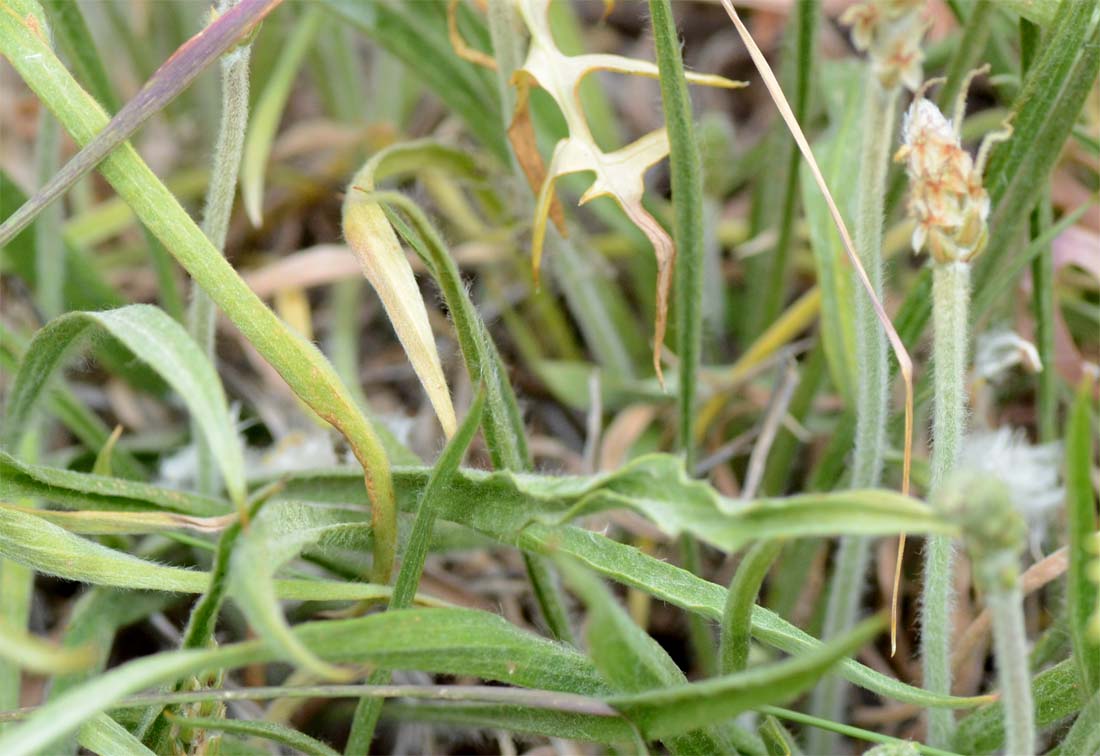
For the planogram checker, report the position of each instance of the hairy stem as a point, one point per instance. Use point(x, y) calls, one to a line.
point(951, 313)
point(850, 570)
point(215, 222)
point(1005, 603)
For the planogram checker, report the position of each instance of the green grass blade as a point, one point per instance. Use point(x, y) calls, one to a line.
point(591, 728)
point(673, 710)
point(737, 614)
point(39, 656)
point(44, 547)
point(63, 404)
point(72, 34)
point(631, 660)
point(276, 536)
point(276, 733)
point(687, 197)
point(1042, 118)
point(269, 111)
point(104, 735)
point(852, 732)
point(1082, 593)
point(159, 341)
point(77, 490)
point(412, 564)
point(418, 40)
point(504, 431)
point(303, 367)
point(1084, 736)
point(1057, 694)
point(629, 566)
point(448, 641)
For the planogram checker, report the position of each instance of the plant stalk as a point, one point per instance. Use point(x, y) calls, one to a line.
point(1004, 600)
point(951, 314)
point(216, 213)
point(853, 554)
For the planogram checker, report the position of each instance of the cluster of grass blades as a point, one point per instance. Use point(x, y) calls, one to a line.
point(249, 504)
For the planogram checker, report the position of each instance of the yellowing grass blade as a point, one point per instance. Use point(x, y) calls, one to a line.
point(374, 242)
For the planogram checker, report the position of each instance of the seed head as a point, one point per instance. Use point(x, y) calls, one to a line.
point(946, 199)
point(890, 31)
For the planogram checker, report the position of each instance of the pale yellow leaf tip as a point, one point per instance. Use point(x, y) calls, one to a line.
point(372, 239)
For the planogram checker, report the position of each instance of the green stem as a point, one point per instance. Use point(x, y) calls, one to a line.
point(216, 213)
point(951, 327)
point(687, 196)
point(737, 615)
point(873, 389)
point(1004, 600)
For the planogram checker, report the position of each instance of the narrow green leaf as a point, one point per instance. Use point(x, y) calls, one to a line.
point(32, 541)
point(687, 197)
point(412, 565)
point(737, 615)
point(63, 404)
point(504, 431)
point(777, 740)
point(159, 341)
point(1057, 693)
point(102, 465)
point(276, 733)
point(104, 735)
point(303, 367)
point(629, 566)
point(447, 641)
point(630, 659)
point(672, 710)
point(1084, 736)
point(276, 536)
point(544, 722)
point(1082, 593)
point(1042, 118)
point(75, 39)
point(418, 40)
point(81, 490)
point(40, 656)
point(269, 111)
point(852, 732)
point(837, 151)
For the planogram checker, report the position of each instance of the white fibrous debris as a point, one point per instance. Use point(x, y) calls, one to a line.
point(999, 351)
point(1030, 471)
point(946, 198)
point(294, 452)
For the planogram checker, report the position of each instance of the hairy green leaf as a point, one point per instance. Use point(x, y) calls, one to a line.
point(157, 340)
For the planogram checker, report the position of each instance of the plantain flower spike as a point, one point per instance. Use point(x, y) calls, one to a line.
point(946, 200)
point(890, 32)
point(619, 174)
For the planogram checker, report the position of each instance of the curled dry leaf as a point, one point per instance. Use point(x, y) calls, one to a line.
point(374, 242)
point(619, 174)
